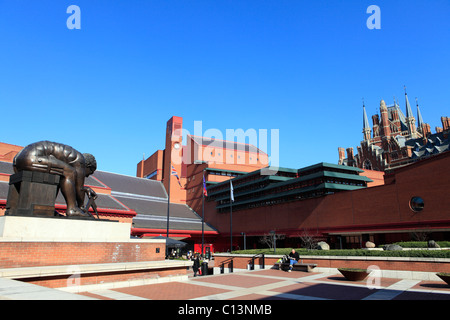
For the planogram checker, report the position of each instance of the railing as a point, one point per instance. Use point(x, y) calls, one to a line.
point(230, 265)
point(252, 264)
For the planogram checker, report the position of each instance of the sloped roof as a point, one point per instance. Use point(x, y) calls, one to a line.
point(131, 185)
point(436, 143)
point(401, 116)
point(6, 167)
point(224, 144)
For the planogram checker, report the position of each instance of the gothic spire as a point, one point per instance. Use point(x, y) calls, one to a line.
point(365, 119)
point(419, 116)
point(366, 127)
point(409, 113)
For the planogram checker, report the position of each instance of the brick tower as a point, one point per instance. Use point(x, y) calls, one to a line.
point(173, 160)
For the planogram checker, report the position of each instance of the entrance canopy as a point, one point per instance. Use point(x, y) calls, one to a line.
point(172, 243)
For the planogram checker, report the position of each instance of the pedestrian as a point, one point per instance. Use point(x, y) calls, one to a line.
point(196, 265)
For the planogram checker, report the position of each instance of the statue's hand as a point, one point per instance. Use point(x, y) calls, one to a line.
point(90, 193)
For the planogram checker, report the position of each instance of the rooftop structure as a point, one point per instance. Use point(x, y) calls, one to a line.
point(265, 188)
point(396, 139)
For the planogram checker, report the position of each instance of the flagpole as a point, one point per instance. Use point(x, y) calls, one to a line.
point(203, 213)
point(231, 226)
point(231, 217)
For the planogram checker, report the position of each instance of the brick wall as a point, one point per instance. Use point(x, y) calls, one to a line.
point(30, 254)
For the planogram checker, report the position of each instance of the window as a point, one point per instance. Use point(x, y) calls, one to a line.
point(367, 165)
point(416, 204)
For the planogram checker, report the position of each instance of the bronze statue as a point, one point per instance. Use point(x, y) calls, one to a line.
point(72, 167)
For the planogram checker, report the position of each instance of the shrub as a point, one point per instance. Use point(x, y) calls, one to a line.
point(420, 244)
point(354, 252)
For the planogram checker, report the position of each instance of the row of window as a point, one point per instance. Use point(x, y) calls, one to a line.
point(275, 201)
point(287, 187)
point(231, 156)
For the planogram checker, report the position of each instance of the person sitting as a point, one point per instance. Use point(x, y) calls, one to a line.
point(293, 258)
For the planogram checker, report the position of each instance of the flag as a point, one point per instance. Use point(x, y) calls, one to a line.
point(174, 173)
point(205, 193)
point(231, 192)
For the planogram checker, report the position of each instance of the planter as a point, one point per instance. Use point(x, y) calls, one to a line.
point(444, 276)
point(354, 274)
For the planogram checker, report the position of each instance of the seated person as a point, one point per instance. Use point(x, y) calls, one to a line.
point(293, 258)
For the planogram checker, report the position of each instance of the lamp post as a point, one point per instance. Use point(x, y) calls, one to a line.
point(245, 244)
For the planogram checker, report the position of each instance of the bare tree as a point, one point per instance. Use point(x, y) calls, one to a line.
point(307, 240)
point(419, 235)
point(270, 239)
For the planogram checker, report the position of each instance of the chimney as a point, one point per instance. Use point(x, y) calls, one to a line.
point(341, 155)
point(350, 154)
point(376, 123)
point(426, 131)
point(385, 119)
point(445, 123)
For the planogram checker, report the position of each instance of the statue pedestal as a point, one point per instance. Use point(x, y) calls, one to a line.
point(81, 255)
point(32, 194)
point(62, 229)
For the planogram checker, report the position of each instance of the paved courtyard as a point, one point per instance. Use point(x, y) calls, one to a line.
point(279, 285)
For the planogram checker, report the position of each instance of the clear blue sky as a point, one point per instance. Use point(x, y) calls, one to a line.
point(302, 67)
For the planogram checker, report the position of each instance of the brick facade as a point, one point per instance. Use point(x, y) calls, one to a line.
point(34, 254)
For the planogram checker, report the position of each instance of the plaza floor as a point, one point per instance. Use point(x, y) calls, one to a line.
point(279, 285)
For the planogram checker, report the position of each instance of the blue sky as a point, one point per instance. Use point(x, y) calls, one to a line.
point(302, 67)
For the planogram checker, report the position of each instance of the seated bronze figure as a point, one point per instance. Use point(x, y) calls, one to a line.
point(59, 159)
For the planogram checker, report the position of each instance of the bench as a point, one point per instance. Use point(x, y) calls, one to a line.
point(306, 267)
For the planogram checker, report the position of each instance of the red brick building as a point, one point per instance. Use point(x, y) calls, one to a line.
point(216, 160)
point(331, 203)
point(396, 139)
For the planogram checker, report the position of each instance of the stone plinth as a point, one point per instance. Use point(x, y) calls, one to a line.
point(32, 194)
point(56, 252)
point(62, 229)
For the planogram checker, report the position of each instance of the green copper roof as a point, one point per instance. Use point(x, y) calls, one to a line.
point(226, 170)
point(323, 186)
point(331, 166)
point(280, 181)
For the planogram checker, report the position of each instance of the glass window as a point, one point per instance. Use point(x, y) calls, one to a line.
point(416, 204)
